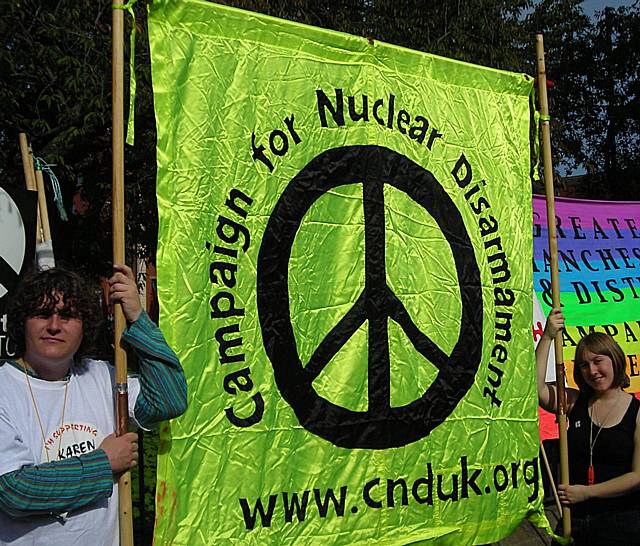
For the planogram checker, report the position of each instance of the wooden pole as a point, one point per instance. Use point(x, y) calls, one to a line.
point(555, 279)
point(122, 409)
point(552, 481)
point(42, 206)
point(30, 178)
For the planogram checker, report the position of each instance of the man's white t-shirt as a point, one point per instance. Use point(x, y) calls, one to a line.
point(88, 419)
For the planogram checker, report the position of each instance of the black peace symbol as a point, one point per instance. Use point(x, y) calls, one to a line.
point(380, 426)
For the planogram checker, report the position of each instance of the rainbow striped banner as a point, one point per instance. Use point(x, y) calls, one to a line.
point(599, 265)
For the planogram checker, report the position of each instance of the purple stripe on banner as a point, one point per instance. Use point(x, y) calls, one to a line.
point(607, 214)
point(602, 227)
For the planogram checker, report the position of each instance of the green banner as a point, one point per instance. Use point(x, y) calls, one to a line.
point(344, 269)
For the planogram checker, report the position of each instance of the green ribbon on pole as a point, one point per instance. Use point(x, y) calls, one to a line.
point(42, 165)
point(132, 69)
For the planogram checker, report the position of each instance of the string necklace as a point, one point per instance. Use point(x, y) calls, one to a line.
point(592, 441)
point(35, 406)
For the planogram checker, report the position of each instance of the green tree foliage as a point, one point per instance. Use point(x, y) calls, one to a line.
point(55, 62)
point(460, 30)
point(612, 136)
point(595, 101)
point(342, 15)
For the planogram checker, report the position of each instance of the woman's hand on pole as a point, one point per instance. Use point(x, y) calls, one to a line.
point(547, 397)
point(572, 494)
point(555, 323)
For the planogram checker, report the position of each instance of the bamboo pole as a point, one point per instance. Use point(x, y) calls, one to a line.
point(30, 179)
point(42, 206)
point(552, 481)
point(555, 279)
point(122, 410)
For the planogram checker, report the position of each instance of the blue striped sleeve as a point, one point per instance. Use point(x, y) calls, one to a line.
point(163, 388)
point(56, 487)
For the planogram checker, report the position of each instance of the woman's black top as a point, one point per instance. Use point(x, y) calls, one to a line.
point(612, 456)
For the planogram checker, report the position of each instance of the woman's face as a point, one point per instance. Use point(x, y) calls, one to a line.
point(597, 371)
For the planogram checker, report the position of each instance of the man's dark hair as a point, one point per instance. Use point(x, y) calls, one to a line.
point(39, 292)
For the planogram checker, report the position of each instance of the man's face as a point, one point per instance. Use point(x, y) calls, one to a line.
point(52, 337)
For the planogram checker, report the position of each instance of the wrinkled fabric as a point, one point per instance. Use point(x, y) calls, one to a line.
point(344, 268)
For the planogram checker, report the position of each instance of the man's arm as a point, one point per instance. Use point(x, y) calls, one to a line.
point(56, 487)
point(60, 486)
point(163, 388)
